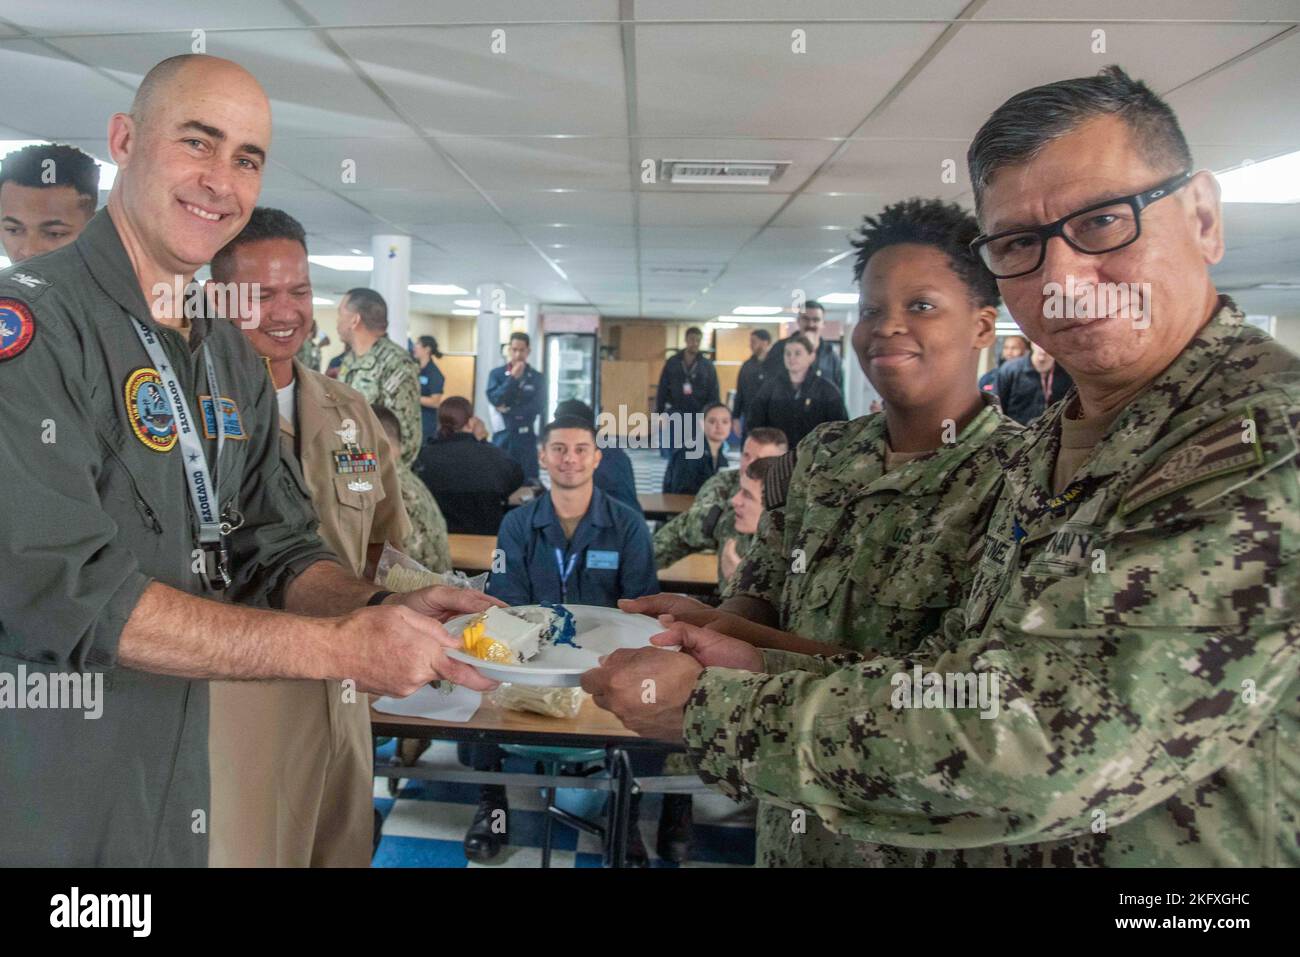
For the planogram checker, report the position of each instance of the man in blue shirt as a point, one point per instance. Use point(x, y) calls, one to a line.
point(575, 545)
point(614, 475)
point(518, 391)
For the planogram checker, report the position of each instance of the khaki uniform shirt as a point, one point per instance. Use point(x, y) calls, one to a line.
point(291, 760)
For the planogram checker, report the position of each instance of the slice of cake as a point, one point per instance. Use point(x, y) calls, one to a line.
point(504, 637)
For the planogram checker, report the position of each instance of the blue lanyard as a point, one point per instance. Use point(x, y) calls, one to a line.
point(564, 572)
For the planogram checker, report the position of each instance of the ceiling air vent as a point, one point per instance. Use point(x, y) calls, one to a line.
point(721, 172)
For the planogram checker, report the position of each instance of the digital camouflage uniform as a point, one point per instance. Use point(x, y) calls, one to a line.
point(388, 376)
point(427, 543)
point(884, 554)
point(706, 526)
point(309, 353)
point(1144, 628)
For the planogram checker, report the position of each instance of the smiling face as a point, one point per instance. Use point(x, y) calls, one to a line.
point(919, 336)
point(279, 267)
point(190, 167)
point(38, 219)
point(570, 457)
point(748, 504)
point(1181, 236)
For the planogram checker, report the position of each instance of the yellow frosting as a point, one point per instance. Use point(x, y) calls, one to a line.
point(478, 644)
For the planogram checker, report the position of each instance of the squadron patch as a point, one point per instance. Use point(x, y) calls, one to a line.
point(230, 418)
point(16, 327)
point(148, 410)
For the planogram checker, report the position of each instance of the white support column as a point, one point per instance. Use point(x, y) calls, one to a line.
point(391, 277)
point(533, 326)
point(487, 349)
point(858, 390)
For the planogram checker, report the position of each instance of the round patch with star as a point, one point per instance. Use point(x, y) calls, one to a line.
point(148, 410)
point(16, 327)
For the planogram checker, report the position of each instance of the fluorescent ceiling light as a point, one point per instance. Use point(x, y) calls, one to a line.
point(344, 263)
point(436, 289)
point(107, 171)
point(839, 299)
point(723, 325)
point(357, 252)
point(469, 303)
point(321, 301)
point(1275, 180)
point(464, 312)
point(757, 310)
point(511, 313)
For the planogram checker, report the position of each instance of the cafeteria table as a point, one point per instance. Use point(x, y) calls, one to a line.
point(695, 574)
point(592, 728)
point(659, 507)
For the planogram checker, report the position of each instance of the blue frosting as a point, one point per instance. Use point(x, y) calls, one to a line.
point(563, 631)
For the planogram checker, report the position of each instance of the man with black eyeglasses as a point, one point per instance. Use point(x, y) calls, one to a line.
point(1122, 685)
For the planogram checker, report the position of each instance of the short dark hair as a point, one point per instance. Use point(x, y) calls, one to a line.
point(575, 408)
point(802, 340)
point(768, 435)
point(453, 412)
point(695, 331)
point(265, 223)
point(522, 337)
point(716, 405)
point(812, 304)
point(430, 343)
point(70, 166)
point(389, 420)
point(758, 469)
point(762, 334)
point(568, 422)
point(370, 306)
point(929, 222)
point(1019, 128)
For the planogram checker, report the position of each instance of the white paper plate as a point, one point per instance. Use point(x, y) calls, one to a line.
point(599, 631)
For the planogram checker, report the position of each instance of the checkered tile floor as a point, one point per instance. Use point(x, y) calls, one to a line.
point(425, 824)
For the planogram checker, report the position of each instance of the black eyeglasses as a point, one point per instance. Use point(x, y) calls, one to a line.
point(1100, 228)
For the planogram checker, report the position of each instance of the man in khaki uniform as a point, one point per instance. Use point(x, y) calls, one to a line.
point(291, 760)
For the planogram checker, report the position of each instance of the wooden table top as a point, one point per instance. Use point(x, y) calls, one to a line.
point(693, 573)
point(592, 722)
point(657, 503)
point(473, 553)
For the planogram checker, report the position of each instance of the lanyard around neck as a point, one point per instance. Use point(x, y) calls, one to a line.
point(201, 480)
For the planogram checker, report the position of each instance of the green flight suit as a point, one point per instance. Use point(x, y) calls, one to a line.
point(98, 508)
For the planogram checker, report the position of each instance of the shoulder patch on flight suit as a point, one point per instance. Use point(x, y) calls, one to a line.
point(233, 425)
point(149, 411)
point(17, 327)
point(777, 483)
point(1230, 444)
